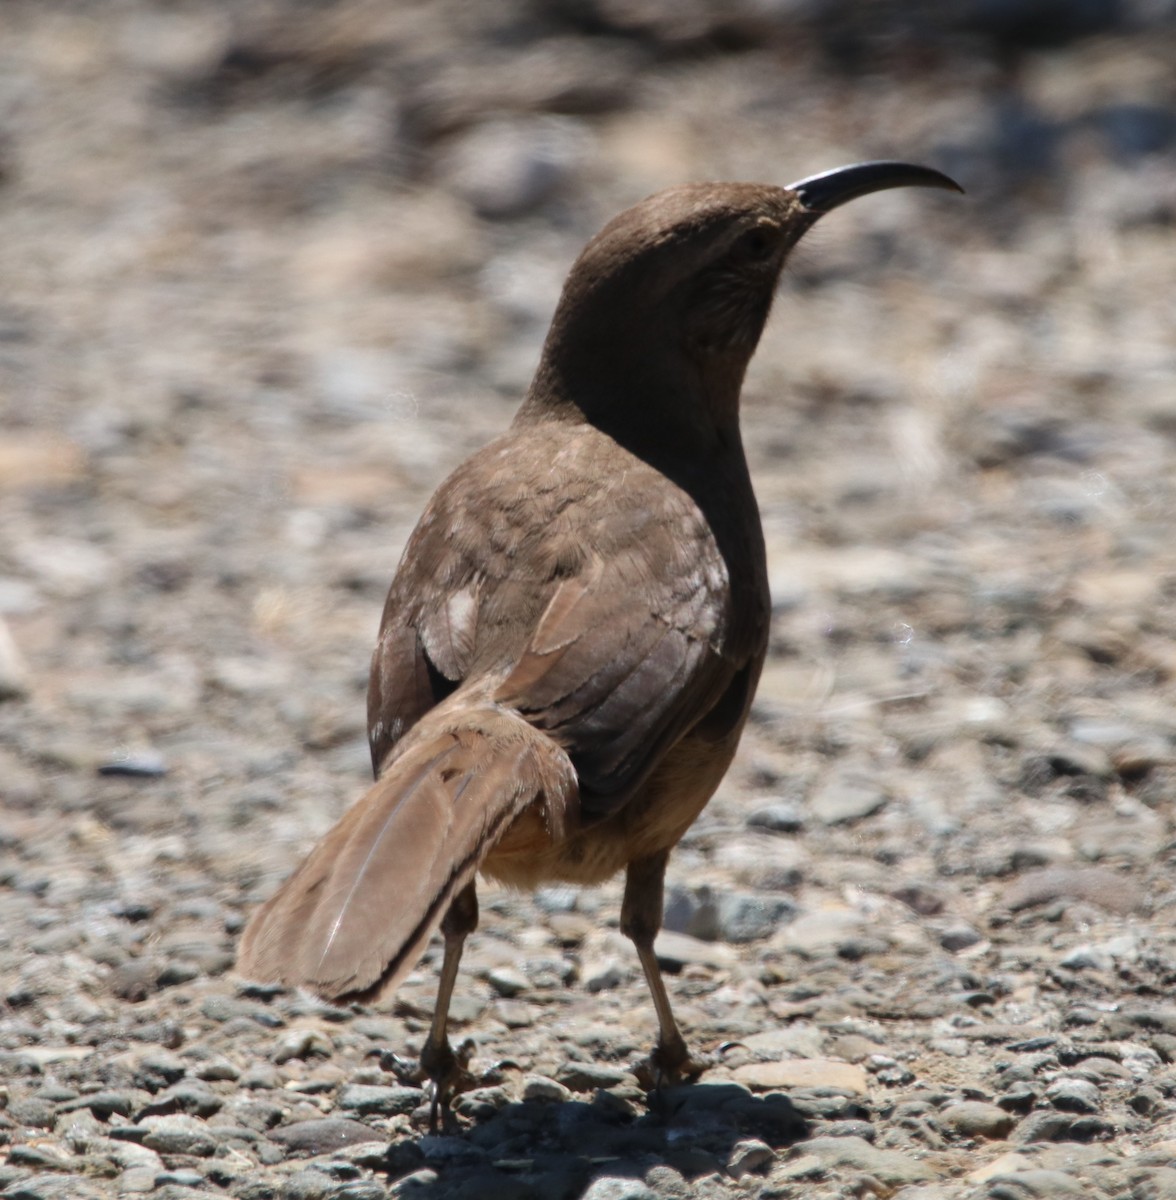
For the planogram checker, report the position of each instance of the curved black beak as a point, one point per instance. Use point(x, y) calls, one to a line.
point(821, 193)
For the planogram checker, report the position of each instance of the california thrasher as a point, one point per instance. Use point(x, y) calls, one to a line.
point(571, 643)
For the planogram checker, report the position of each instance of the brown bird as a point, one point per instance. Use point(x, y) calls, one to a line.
point(573, 638)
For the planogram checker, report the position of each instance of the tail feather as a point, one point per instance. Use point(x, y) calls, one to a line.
point(356, 916)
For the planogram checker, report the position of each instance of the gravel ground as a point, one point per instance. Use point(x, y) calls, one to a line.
point(270, 271)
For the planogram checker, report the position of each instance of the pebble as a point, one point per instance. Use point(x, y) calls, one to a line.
point(507, 981)
point(959, 936)
point(803, 1073)
point(14, 671)
point(603, 974)
point(179, 1134)
point(846, 797)
point(374, 1100)
point(541, 1088)
point(322, 1136)
point(890, 1167)
point(1074, 1095)
point(189, 1096)
point(976, 1119)
point(611, 1187)
point(677, 950)
point(302, 1044)
point(781, 816)
point(1096, 885)
point(587, 1077)
point(749, 1156)
point(823, 932)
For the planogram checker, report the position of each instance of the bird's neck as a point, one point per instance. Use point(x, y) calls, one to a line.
point(653, 405)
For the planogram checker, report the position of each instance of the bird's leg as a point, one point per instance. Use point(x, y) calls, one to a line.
point(641, 918)
point(446, 1068)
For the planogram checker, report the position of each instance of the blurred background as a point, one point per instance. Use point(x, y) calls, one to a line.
point(269, 270)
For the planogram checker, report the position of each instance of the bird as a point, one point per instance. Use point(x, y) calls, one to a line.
point(572, 640)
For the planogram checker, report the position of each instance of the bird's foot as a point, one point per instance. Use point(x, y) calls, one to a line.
point(444, 1069)
point(670, 1063)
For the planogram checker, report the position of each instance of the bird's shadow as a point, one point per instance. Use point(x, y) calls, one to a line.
point(553, 1150)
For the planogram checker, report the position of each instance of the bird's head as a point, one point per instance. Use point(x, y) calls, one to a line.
point(663, 309)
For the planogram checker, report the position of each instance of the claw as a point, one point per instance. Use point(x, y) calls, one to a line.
point(444, 1070)
point(670, 1064)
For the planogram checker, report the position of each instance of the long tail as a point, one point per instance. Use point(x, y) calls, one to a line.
point(356, 916)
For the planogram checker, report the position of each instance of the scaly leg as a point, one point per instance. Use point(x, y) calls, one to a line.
point(641, 918)
point(446, 1068)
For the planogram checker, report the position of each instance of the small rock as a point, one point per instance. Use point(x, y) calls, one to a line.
point(183, 1177)
point(749, 1156)
point(481, 1103)
point(802, 1039)
point(142, 764)
point(975, 1119)
point(748, 918)
point(189, 1097)
point(782, 816)
point(890, 1167)
point(1096, 885)
point(803, 1073)
point(374, 1100)
point(959, 936)
point(1087, 958)
point(845, 797)
point(602, 975)
point(1037, 1183)
point(541, 1088)
point(677, 950)
point(614, 1187)
point(302, 1044)
point(157, 1071)
point(14, 671)
point(322, 1136)
point(1074, 1095)
point(587, 1077)
point(507, 981)
point(824, 932)
point(1047, 1126)
point(106, 1104)
point(179, 1135)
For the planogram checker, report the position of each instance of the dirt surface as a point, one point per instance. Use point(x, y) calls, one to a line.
point(270, 271)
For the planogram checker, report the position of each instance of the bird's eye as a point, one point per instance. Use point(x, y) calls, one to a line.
point(755, 246)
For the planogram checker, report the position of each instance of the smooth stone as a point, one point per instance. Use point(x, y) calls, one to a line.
point(179, 1134)
point(1074, 1095)
point(750, 1156)
point(507, 981)
point(959, 936)
point(782, 816)
point(617, 1187)
point(1108, 889)
point(677, 950)
point(845, 797)
point(587, 1077)
point(890, 1167)
point(602, 975)
point(322, 1136)
point(541, 1088)
point(803, 1073)
point(823, 932)
point(302, 1043)
point(799, 1038)
point(974, 1118)
point(374, 1100)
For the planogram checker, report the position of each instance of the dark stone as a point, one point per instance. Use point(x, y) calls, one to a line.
point(323, 1136)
